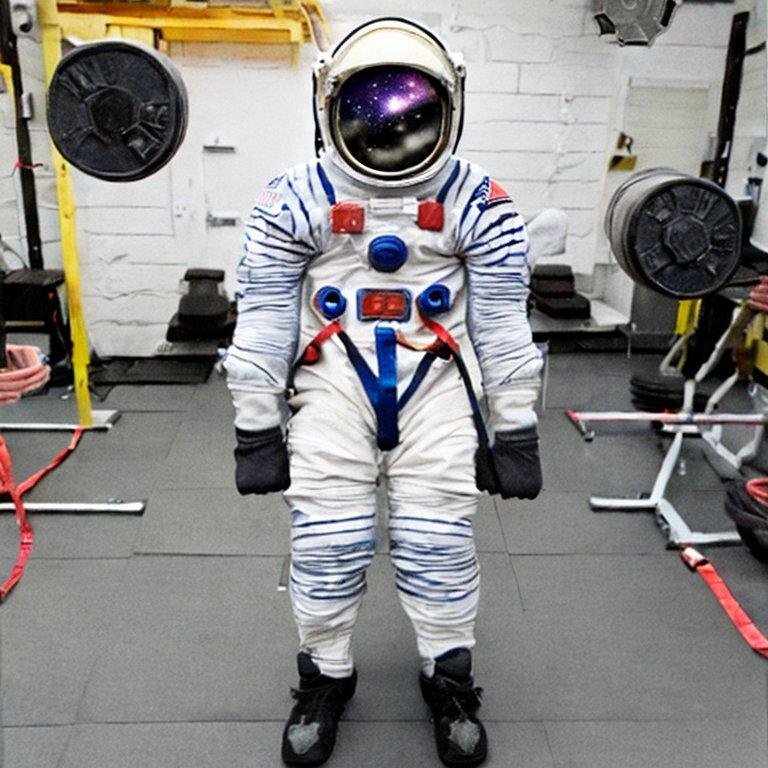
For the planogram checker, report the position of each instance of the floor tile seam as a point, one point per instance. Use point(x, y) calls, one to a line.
point(207, 487)
point(242, 556)
point(171, 442)
point(209, 555)
point(662, 553)
point(140, 411)
point(251, 721)
point(642, 720)
point(548, 742)
point(496, 509)
point(425, 718)
point(163, 553)
point(635, 553)
point(105, 625)
point(22, 726)
point(87, 558)
point(517, 582)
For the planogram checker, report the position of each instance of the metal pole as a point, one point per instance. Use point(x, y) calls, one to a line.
point(81, 356)
point(9, 55)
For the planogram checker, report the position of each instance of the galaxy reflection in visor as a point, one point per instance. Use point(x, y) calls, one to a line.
point(390, 119)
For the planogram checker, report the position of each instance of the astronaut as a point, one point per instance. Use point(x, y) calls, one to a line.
point(366, 277)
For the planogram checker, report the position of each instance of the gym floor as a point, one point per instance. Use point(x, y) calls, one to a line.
point(162, 641)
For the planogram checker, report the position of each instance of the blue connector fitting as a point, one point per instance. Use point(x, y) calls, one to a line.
point(434, 300)
point(331, 302)
point(387, 253)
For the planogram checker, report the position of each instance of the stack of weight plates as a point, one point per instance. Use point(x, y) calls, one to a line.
point(750, 517)
point(552, 286)
point(657, 393)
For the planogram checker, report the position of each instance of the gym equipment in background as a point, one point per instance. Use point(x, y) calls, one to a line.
point(554, 293)
point(205, 313)
point(746, 504)
point(117, 110)
point(633, 22)
point(681, 237)
point(674, 233)
point(686, 423)
point(662, 392)
point(29, 296)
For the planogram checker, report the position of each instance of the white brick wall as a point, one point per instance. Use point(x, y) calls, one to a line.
point(545, 102)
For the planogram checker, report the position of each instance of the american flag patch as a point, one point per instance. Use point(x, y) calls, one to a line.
point(268, 198)
point(271, 195)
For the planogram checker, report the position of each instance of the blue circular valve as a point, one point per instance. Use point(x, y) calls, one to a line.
point(331, 302)
point(387, 253)
point(434, 300)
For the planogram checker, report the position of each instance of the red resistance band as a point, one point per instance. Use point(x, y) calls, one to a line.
point(754, 638)
point(8, 486)
point(18, 165)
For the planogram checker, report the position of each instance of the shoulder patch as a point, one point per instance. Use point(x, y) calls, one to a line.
point(271, 195)
point(497, 192)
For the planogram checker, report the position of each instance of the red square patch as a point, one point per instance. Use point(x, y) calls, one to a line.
point(347, 218)
point(431, 215)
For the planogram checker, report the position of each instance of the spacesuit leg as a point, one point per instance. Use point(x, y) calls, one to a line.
point(432, 497)
point(332, 497)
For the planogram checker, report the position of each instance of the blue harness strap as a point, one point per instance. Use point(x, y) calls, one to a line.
point(477, 416)
point(381, 390)
point(387, 432)
point(364, 373)
point(418, 376)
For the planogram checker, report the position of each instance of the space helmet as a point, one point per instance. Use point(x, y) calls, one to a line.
point(388, 103)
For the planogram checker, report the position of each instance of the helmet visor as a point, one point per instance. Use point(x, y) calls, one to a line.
point(390, 120)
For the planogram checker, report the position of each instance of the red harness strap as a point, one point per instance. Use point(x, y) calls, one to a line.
point(312, 352)
point(7, 485)
point(754, 638)
point(441, 333)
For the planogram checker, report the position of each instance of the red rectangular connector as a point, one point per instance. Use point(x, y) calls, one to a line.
point(431, 215)
point(347, 218)
point(383, 305)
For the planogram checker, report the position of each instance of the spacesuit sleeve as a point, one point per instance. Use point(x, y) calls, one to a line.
point(277, 246)
point(494, 243)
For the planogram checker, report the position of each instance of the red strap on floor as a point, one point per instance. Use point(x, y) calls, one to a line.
point(754, 638)
point(7, 485)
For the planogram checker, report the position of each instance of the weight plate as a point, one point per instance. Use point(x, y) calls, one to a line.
point(676, 234)
point(686, 238)
point(634, 22)
point(117, 110)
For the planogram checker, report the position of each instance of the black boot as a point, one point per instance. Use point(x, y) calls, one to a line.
point(459, 735)
point(310, 733)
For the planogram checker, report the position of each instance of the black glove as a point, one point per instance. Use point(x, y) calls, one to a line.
point(511, 466)
point(261, 460)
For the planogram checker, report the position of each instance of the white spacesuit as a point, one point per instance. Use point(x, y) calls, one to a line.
point(365, 273)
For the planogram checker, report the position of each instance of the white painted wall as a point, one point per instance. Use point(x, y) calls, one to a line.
point(546, 101)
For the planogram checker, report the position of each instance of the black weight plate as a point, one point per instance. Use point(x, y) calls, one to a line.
point(117, 110)
point(685, 238)
point(553, 272)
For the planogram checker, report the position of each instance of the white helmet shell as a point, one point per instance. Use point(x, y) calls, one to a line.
point(389, 103)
